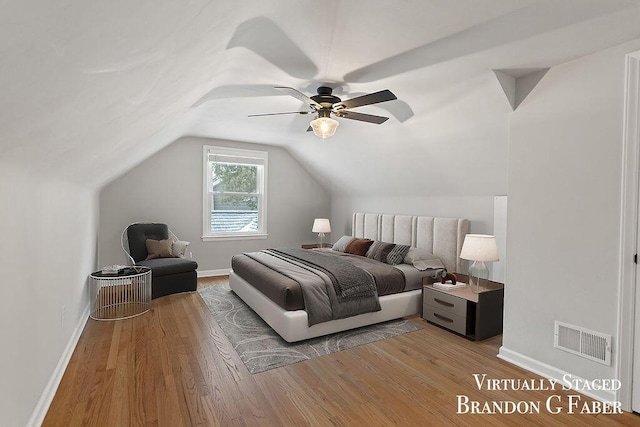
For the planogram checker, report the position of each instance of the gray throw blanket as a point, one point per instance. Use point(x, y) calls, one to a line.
point(331, 287)
point(348, 280)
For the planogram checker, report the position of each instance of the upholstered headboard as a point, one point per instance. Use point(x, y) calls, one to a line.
point(443, 237)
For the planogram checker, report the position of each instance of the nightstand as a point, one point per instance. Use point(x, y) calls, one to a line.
point(316, 245)
point(475, 316)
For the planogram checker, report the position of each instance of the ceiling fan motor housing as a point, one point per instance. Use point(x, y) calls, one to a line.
point(325, 97)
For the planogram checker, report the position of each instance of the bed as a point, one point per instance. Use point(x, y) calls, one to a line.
point(260, 287)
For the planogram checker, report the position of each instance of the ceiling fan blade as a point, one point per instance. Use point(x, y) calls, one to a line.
point(278, 114)
point(236, 91)
point(370, 118)
point(372, 98)
point(299, 95)
point(265, 38)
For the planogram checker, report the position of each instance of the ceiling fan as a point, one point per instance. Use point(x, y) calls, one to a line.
point(324, 104)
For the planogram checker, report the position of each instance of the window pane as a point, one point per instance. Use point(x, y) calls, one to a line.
point(234, 178)
point(234, 213)
point(235, 193)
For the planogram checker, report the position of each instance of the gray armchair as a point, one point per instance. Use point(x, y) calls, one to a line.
point(168, 275)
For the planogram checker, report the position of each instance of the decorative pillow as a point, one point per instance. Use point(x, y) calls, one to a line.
point(372, 248)
point(179, 248)
point(397, 254)
point(422, 259)
point(342, 243)
point(380, 250)
point(358, 246)
point(159, 248)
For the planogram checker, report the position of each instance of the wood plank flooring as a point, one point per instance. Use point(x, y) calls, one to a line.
point(173, 366)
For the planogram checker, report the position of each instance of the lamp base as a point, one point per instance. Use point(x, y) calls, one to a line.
point(478, 272)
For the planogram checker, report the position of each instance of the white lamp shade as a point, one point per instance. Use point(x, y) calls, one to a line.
point(321, 225)
point(479, 247)
point(324, 127)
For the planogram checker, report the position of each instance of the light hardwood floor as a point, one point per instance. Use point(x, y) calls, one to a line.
point(173, 366)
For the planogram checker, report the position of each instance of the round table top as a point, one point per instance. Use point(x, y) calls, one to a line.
point(122, 272)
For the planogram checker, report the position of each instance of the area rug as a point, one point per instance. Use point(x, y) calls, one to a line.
point(261, 348)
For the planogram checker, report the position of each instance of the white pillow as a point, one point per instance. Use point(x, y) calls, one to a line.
point(342, 243)
point(422, 259)
point(179, 248)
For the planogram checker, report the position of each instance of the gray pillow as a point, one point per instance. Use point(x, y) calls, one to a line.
point(380, 250)
point(342, 243)
point(397, 254)
point(425, 258)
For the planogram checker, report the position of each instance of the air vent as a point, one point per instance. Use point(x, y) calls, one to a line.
point(583, 342)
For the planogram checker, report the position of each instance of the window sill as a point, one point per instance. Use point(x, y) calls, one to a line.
point(223, 237)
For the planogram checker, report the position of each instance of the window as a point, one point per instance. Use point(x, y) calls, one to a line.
point(235, 193)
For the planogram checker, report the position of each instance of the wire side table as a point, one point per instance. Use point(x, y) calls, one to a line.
point(120, 296)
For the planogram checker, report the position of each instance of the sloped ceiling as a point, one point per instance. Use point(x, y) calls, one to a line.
point(89, 89)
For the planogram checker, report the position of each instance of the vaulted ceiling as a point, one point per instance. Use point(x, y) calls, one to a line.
point(91, 88)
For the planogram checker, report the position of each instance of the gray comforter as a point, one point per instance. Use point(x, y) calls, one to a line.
point(334, 286)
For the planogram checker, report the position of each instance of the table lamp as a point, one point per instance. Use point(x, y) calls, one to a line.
point(321, 226)
point(479, 248)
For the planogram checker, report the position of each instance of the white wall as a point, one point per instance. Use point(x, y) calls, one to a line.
point(167, 188)
point(49, 231)
point(563, 236)
point(448, 161)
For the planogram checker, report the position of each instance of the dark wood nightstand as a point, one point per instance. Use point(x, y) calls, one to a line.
point(316, 245)
point(477, 316)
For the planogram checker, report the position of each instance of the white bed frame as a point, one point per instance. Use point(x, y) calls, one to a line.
point(441, 236)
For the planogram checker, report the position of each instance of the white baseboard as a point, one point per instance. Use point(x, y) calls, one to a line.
point(40, 411)
point(551, 372)
point(213, 273)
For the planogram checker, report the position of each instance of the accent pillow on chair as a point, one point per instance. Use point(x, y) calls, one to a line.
point(179, 248)
point(153, 245)
point(159, 248)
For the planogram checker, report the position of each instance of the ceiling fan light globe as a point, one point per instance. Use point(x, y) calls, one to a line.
point(324, 127)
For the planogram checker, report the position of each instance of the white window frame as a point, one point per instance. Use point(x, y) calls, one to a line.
point(259, 158)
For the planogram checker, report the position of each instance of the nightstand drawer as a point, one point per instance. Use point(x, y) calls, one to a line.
point(477, 316)
point(444, 302)
point(450, 321)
